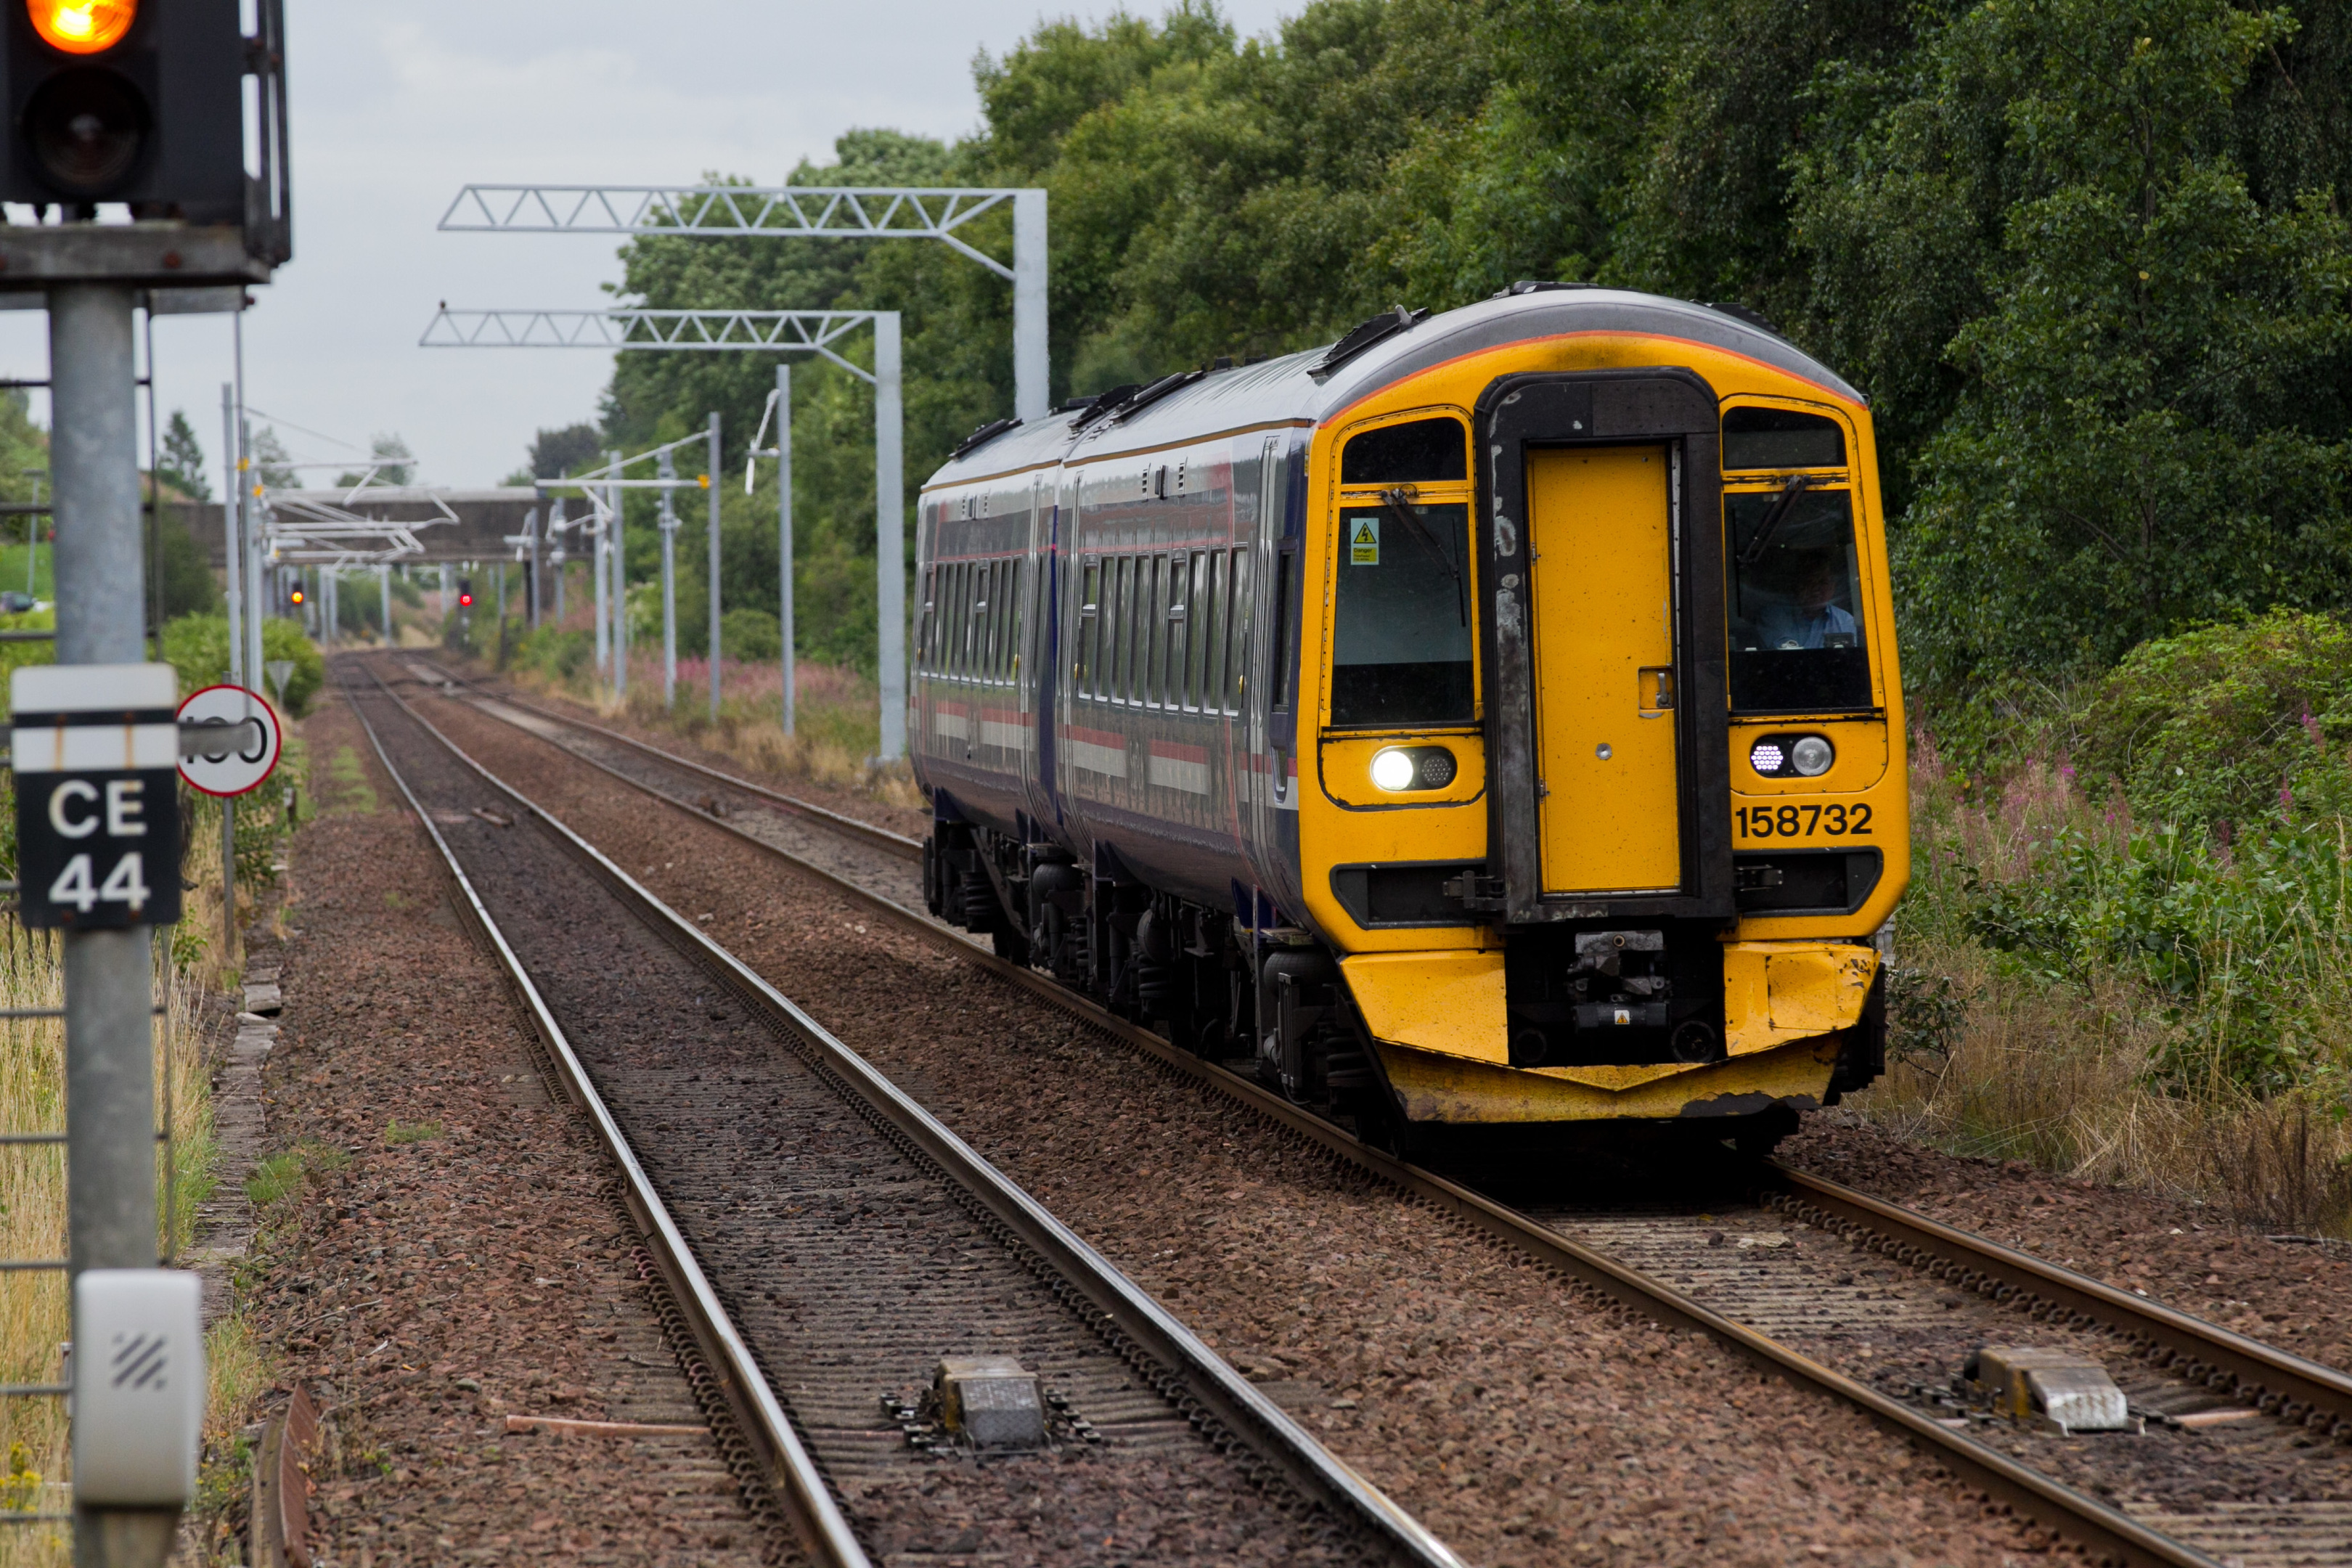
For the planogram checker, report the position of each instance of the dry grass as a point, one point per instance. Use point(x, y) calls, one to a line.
point(34, 1313)
point(2067, 1072)
point(836, 720)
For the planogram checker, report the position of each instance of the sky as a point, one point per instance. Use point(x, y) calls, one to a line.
point(396, 107)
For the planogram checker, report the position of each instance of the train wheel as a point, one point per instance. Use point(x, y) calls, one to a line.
point(1756, 1136)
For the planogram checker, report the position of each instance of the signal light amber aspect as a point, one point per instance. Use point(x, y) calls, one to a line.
point(82, 27)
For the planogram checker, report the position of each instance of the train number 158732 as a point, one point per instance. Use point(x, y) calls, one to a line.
point(1802, 821)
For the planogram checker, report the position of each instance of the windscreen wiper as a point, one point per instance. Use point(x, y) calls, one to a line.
point(1774, 515)
point(1397, 503)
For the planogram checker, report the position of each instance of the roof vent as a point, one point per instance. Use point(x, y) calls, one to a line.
point(982, 437)
point(1747, 314)
point(1380, 328)
point(1138, 400)
point(1100, 404)
point(1535, 286)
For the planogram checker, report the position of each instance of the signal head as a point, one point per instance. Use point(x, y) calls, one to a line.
point(294, 596)
point(82, 27)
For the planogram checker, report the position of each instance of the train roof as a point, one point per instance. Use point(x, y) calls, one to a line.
point(1283, 392)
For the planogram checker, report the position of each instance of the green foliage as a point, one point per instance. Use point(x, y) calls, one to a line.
point(751, 635)
point(181, 464)
point(197, 647)
point(2241, 943)
point(2089, 261)
point(279, 1176)
point(2227, 722)
point(184, 574)
point(397, 1132)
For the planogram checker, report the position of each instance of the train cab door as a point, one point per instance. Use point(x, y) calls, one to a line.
point(1601, 537)
point(1607, 719)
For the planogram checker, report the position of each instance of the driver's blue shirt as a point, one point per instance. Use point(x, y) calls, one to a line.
point(1789, 627)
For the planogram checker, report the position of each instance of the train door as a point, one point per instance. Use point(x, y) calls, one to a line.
point(1257, 782)
point(1607, 723)
point(1602, 603)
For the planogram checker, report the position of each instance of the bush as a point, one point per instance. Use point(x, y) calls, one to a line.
point(197, 647)
point(2226, 722)
point(552, 650)
point(752, 635)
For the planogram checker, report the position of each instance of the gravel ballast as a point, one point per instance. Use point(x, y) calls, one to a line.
point(456, 1253)
point(1515, 1415)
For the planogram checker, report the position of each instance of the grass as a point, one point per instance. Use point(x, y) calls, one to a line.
point(34, 1313)
point(352, 791)
point(2123, 1002)
point(837, 712)
point(279, 1176)
point(396, 1132)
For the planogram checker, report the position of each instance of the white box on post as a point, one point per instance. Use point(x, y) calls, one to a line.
point(139, 1387)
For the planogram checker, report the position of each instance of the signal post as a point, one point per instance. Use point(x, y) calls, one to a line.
point(132, 146)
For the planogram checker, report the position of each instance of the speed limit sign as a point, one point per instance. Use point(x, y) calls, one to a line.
point(247, 752)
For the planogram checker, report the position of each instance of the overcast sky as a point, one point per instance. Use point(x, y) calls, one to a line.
point(397, 106)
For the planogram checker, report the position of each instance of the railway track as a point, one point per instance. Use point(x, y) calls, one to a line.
point(2244, 1460)
point(827, 1242)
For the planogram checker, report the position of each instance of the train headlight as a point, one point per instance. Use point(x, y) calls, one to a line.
point(1811, 756)
point(1401, 768)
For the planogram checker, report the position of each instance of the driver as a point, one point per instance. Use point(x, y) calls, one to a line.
point(1810, 616)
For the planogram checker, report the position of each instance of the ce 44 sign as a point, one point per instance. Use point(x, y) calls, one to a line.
point(96, 752)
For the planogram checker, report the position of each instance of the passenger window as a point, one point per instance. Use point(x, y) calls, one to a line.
point(966, 576)
point(1286, 583)
point(950, 616)
point(1014, 619)
point(1181, 601)
point(1211, 681)
point(925, 625)
point(1237, 631)
point(1000, 617)
point(1198, 616)
point(1795, 611)
point(1122, 678)
point(1085, 678)
point(1423, 452)
point(1782, 439)
point(1155, 630)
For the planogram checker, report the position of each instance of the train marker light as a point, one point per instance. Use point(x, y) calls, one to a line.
point(1765, 757)
point(1392, 769)
point(82, 27)
point(1811, 756)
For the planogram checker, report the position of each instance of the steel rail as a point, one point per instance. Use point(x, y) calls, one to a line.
point(793, 1474)
point(881, 838)
point(2278, 1383)
point(1202, 1374)
point(2114, 1537)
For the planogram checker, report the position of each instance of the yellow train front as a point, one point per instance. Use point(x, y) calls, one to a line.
point(1492, 717)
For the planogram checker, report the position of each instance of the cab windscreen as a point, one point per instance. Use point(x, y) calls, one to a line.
point(1401, 642)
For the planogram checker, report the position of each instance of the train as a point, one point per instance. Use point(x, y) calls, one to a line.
point(1489, 718)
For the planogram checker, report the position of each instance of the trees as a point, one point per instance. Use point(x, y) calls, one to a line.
point(182, 464)
point(2123, 371)
point(2088, 260)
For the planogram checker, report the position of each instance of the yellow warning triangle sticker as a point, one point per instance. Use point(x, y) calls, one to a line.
point(1364, 534)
